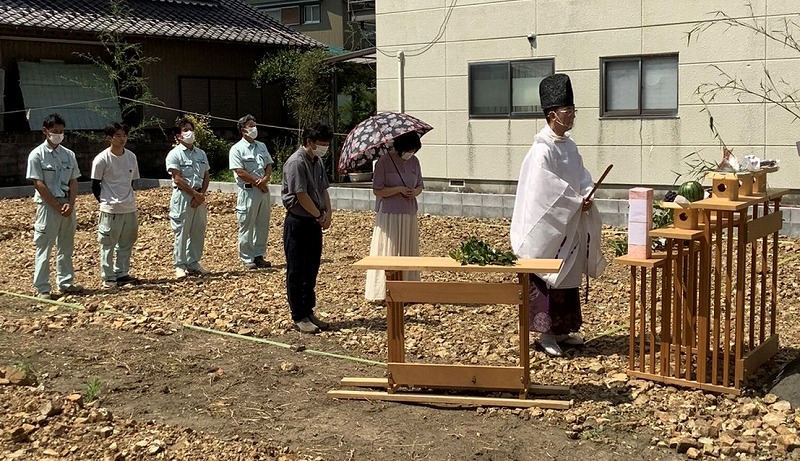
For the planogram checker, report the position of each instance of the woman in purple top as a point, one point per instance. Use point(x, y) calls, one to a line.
point(396, 182)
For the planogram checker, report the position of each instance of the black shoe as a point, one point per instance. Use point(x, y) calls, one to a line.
point(321, 324)
point(261, 263)
point(127, 280)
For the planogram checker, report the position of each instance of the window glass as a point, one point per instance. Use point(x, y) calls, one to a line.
point(290, 15)
point(507, 89)
point(274, 14)
point(489, 94)
point(311, 14)
point(525, 80)
point(622, 85)
point(660, 83)
point(640, 86)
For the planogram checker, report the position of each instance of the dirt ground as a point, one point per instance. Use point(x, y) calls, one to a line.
point(173, 389)
point(237, 390)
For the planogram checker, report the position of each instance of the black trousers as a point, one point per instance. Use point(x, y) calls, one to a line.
point(302, 245)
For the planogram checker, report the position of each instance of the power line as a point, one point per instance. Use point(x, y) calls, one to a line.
point(58, 106)
point(159, 106)
point(428, 46)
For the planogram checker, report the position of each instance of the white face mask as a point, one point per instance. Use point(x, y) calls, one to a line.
point(252, 132)
point(407, 155)
point(558, 120)
point(188, 137)
point(321, 151)
point(56, 138)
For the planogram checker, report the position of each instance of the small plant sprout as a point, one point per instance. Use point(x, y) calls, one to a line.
point(92, 391)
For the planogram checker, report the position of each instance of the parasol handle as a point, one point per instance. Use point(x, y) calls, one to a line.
point(599, 181)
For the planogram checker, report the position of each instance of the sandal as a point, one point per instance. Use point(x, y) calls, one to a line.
point(548, 344)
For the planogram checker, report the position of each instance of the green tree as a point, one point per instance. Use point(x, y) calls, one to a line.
point(121, 65)
point(304, 79)
point(770, 89)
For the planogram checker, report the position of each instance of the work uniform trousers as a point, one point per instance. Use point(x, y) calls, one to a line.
point(49, 229)
point(253, 210)
point(302, 244)
point(189, 226)
point(116, 232)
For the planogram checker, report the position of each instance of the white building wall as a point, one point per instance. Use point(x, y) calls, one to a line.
point(577, 34)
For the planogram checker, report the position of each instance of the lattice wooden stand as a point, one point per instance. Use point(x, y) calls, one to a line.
point(703, 314)
point(403, 375)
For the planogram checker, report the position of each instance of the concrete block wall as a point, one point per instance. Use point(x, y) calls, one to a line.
point(614, 212)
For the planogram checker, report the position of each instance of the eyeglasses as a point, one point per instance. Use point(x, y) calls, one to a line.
point(120, 135)
point(568, 111)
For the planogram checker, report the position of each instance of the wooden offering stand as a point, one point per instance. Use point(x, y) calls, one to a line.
point(404, 375)
point(703, 313)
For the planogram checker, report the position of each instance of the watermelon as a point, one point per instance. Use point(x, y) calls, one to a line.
point(691, 190)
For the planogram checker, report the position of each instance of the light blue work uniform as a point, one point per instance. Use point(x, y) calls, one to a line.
point(118, 225)
point(188, 224)
point(56, 168)
point(253, 207)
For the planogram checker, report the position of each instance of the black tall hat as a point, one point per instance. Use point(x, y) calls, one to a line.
point(556, 91)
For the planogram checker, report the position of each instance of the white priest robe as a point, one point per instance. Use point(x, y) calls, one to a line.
point(548, 221)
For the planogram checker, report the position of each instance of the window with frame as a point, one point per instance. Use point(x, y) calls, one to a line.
point(275, 14)
point(508, 89)
point(290, 16)
point(311, 14)
point(641, 86)
point(222, 97)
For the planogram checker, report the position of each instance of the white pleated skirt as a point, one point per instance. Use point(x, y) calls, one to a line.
point(393, 235)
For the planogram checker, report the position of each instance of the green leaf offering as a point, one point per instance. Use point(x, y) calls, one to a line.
point(475, 251)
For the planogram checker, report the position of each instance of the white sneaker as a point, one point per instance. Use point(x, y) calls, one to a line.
point(549, 345)
point(180, 273)
point(198, 270)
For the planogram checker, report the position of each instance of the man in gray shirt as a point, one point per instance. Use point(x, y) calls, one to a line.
point(308, 211)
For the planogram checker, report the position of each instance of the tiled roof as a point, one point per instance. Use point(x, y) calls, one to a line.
point(217, 20)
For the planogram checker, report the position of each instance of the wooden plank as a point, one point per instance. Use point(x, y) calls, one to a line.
point(684, 383)
point(762, 324)
point(717, 326)
point(395, 324)
point(456, 376)
point(690, 306)
point(454, 292)
point(656, 260)
point(741, 256)
point(642, 318)
point(384, 382)
point(666, 307)
point(524, 329)
point(726, 345)
point(763, 226)
point(773, 300)
point(653, 306)
point(365, 382)
point(450, 399)
point(760, 355)
point(679, 292)
point(429, 263)
point(677, 234)
point(721, 204)
point(752, 293)
point(704, 300)
point(632, 327)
